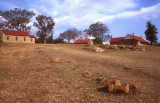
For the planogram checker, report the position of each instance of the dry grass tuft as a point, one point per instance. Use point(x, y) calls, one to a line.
point(86, 74)
point(101, 80)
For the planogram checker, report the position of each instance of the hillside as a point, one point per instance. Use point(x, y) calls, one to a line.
point(29, 76)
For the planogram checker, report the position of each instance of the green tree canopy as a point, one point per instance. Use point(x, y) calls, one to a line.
point(45, 26)
point(70, 34)
point(151, 32)
point(98, 30)
point(17, 19)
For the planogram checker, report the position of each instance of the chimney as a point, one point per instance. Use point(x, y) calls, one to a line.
point(133, 33)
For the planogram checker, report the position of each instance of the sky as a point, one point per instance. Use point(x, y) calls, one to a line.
point(121, 16)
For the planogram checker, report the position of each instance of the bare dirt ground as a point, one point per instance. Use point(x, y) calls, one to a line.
point(27, 76)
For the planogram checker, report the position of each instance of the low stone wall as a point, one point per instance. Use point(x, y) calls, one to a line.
point(11, 38)
point(123, 47)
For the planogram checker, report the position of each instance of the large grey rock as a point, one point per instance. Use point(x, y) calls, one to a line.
point(97, 49)
point(90, 43)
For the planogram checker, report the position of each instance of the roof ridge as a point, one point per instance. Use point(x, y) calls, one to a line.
point(16, 33)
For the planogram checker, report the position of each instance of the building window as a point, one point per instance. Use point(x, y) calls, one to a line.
point(31, 40)
point(16, 38)
point(24, 38)
point(7, 37)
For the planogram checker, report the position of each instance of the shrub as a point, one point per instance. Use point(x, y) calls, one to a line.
point(97, 41)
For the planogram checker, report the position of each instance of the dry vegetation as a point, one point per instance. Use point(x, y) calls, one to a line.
point(55, 74)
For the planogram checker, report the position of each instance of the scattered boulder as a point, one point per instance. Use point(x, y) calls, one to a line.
point(47, 56)
point(90, 43)
point(121, 47)
point(101, 80)
point(37, 48)
point(109, 86)
point(125, 47)
point(133, 88)
point(86, 74)
point(143, 49)
point(56, 60)
point(127, 68)
point(97, 49)
point(102, 45)
point(124, 89)
point(117, 82)
point(41, 52)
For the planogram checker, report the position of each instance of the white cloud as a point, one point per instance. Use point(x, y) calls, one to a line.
point(146, 13)
point(82, 13)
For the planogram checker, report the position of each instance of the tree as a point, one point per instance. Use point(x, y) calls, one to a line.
point(17, 19)
point(106, 38)
point(151, 32)
point(50, 40)
point(97, 41)
point(70, 34)
point(75, 33)
point(66, 35)
point(45, 26)
point(82, 36)
point(58, 40)
point(97, 30)
point(2, 27)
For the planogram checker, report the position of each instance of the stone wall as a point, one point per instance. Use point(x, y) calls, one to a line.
point(24, 39)
point(128, 42)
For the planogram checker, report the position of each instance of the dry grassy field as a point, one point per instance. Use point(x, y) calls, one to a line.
point(27, 76)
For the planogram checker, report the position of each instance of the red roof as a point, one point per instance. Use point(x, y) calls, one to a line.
point(16, 33)
point(137, 38)
point(132, 36)
point(116, 39)
point(81, 41)
point(32, 36)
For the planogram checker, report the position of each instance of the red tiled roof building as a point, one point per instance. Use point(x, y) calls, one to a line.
point(128, 40)
point(17, 36)
point(85, 41)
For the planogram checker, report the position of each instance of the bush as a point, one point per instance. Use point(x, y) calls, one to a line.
point(97, 41)
point(58, 40)
point(39, 40)
point(50, 40)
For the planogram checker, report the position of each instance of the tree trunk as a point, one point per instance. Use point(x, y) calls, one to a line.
point(44, 40)
point(151, 42)
point(68, 41)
